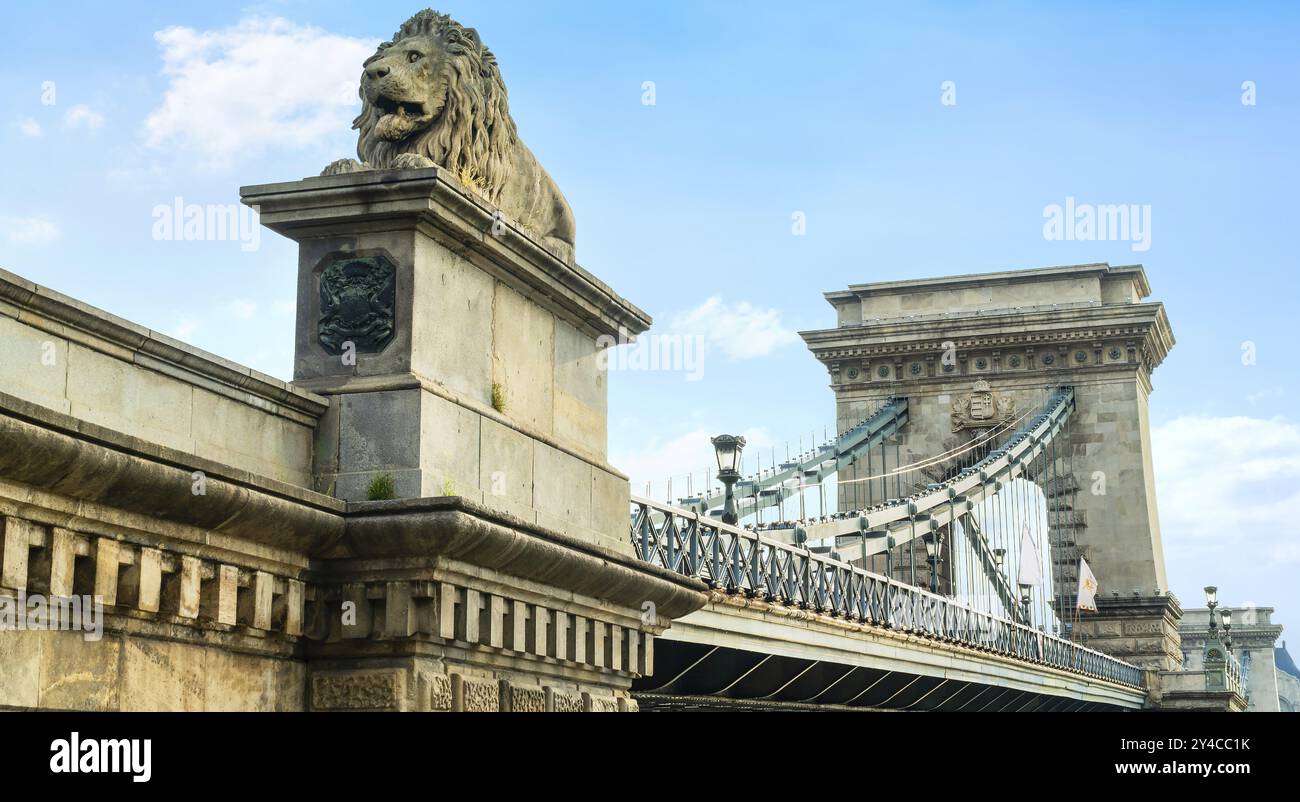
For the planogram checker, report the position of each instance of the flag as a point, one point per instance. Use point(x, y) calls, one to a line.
point(1087, 587)
point(1031, 563)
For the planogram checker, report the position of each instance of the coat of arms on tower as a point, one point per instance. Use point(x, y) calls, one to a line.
point(981, 408)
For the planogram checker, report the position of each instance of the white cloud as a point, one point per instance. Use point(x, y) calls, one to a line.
point(30, 128)
point(740, 330)
point(83, 117)
point(186, 328)
point(1225, 481)
point(1265, 395)
point(29, 230)
point(241, 309)
point(265, 82)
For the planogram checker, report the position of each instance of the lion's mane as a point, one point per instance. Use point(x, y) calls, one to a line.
point(474, 135)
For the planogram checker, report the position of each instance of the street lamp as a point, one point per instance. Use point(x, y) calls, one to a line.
point(931, 540)
point(998, 556)
point(728, 448)
point(1227, 628)
point(1211, 601)
point(1026, 596)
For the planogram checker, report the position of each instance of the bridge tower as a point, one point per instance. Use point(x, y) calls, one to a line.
point(970, 351)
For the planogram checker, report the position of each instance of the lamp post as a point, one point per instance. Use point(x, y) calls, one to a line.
point(728, 448)
point(1212, 601)
point(931, 540)
point(1026, 596)
point(1227, 628)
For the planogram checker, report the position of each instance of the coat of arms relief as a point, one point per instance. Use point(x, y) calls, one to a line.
point(981, 408)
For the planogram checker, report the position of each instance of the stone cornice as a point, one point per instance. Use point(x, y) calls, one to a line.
point(58, 453)
point(461, 218)
point(1016, 330)
point(956, 282)
point(454, 528)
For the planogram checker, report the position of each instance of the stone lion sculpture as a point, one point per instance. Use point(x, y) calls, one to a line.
point(433, 95)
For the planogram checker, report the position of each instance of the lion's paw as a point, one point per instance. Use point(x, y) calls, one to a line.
point(343, 167)
point(412, 161)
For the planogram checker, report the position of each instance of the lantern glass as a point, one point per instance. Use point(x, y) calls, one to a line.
point(931, 546)
point(1227, 618)
point(728, 449)
point(1211, 595)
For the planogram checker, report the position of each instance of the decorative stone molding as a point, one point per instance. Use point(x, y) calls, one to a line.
point(161, 583)
point(471, 696)
point(451, 613)
point(371, 690)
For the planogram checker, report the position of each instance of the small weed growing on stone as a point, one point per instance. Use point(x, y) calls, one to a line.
point(381, 487)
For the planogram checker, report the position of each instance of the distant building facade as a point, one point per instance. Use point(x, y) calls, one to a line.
point(1268, 674)
point(1288, 680)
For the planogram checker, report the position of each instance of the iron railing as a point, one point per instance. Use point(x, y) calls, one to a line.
point(737, 560)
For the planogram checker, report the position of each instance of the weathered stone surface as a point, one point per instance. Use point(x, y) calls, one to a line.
point(566, 702)
point(36, 368)
point(157, 675)
point(562, 490)
point(363, 690)
point(580, 394)
point(475, 696)
point(523, 359)
point(439, 692)
point(450, 294)
point(527, 700)
point(20, 678)
point(77, 674)
point(16, 553)
point(235, 682)
point(449, 438)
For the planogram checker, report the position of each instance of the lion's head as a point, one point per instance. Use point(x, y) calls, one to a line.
point(435, 90)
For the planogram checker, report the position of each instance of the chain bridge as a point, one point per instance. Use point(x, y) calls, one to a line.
point(927, 557)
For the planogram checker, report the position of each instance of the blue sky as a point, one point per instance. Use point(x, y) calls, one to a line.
point(761, 110)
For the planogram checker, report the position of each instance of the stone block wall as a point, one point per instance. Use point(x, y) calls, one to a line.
point(97, 368)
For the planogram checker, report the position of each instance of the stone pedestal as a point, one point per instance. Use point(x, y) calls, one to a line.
point(1195, 691)
point(459, 354)
point(1142, 630)
point(460, 359)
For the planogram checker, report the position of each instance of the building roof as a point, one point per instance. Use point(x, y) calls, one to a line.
point(1284, 662)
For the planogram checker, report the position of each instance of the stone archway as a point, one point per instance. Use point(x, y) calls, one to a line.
point(980, 348)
